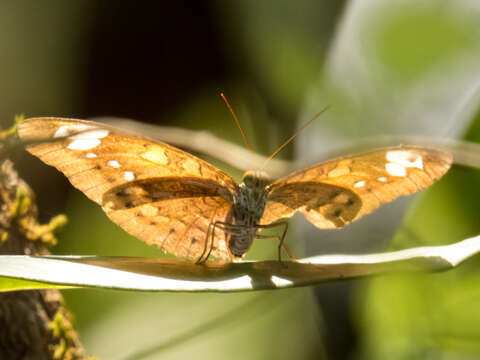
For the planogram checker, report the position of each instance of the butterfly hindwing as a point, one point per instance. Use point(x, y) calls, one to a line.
point(177, 225)
point(337, 192)
point(139, 183)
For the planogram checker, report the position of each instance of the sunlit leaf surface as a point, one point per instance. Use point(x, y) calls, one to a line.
point(143, 274)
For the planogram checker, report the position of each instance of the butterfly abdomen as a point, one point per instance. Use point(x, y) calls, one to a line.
point(249, 204)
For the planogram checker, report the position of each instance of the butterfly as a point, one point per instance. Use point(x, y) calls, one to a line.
point(189, 208)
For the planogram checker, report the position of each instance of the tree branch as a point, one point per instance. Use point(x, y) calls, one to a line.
point(34, 324)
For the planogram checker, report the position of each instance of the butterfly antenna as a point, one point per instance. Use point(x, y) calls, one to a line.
point(236, 121)
point(293, 136)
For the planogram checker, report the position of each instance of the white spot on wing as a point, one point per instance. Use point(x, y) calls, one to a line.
point(91, 155)
point(114, 163)
point(405, 158)
point(83, 144)
point(156, 155)
point(382, 179)
point(86, 140)
point(396, 169)
point(61, 131)
point(339, 171)
point(66, 130)
point(358, 184)
point(149, 211)
point(129, 176)
point(91, 134)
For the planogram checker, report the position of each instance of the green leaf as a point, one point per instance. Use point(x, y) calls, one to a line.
point(147, 274)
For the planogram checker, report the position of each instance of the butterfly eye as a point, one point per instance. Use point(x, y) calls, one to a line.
point(248, 179)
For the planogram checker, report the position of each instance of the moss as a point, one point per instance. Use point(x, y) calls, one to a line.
point(3, 236)
point(64, 333)
point(45, 233)
point(11, 132)
point(20, 205)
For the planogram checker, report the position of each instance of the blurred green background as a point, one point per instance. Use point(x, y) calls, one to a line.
point(396, 67)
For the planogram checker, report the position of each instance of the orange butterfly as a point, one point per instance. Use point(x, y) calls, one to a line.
point(189, 208)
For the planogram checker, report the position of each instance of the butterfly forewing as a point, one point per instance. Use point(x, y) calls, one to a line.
point(337, 192)
point(139, 183)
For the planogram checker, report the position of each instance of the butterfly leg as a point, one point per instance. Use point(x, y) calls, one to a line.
point(200, 259)
point(210, 237)
point(258, 236)
point(210, 248)
point(282, 242)
point(285, 247)
point(227, 228)
point(280, 238)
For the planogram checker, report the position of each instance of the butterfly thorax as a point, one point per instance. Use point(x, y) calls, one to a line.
point(249, 204)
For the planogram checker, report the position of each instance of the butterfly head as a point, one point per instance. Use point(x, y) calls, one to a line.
point(256, 180)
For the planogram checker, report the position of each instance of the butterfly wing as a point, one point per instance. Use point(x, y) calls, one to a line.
point(154, 191)
point(337, 192)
